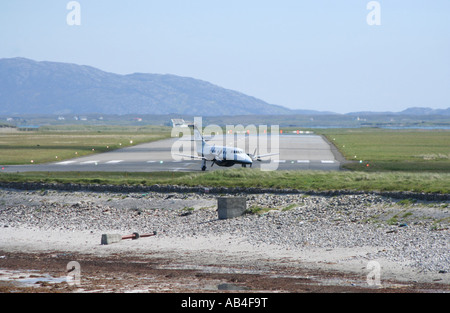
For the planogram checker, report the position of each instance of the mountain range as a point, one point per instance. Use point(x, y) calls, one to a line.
point(31, 87)
point(27, 86)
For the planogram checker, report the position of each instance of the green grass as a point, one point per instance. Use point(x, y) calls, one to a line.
point(59, 143)
point(111, 178)
point(399, 160)
point(301, 180)
point(393, 150)
point(320, 181)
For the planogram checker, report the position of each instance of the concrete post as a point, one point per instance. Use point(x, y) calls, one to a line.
point(230, 207)
point(108, 239)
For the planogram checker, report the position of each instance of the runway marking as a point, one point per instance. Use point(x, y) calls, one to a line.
point(327, 162)
point(89, 162)
point(279, 161)
point(151, 161)
point(65, 162)
point(303, 161)
point(114, 162)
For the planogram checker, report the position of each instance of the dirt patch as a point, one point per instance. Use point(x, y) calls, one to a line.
point(320, 244)
point(47, 273)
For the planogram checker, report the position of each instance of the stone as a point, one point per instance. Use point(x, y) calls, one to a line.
point(231, 207)
point(108, 239)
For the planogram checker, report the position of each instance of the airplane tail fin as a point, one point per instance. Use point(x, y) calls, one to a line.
point(199, 140)
point(198, 135)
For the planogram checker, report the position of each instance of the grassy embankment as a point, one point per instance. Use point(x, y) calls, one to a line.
point(301, 180)
point(416, 161)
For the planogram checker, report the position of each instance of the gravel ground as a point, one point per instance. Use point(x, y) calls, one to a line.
point(409, 239)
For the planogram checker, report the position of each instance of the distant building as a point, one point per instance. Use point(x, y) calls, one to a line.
point(178, 122)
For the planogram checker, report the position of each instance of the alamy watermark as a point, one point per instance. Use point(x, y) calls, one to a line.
point(374, 16)
point(73, 277)
point(73, 18)
point(374, 276)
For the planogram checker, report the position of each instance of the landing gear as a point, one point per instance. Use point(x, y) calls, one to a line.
point(204, 165)
point(244, 165)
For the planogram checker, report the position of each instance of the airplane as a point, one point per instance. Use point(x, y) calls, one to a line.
point(221, 155)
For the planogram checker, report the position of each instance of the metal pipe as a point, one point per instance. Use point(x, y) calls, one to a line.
point(136, 236)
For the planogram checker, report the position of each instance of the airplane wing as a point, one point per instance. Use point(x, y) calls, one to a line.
point(190, 156)
point(258, 157)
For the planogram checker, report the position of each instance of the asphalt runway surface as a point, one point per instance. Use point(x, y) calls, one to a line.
point(296, 152)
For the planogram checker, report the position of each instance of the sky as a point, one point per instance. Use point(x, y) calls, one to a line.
point(327, 55)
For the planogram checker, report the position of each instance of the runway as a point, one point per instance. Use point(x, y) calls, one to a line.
point(296, 152)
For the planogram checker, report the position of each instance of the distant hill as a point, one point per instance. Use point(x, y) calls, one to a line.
point(30, 87)
point(312, 112)
point(425, 111)
point(416, 111)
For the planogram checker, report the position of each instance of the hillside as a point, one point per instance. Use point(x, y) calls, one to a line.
point(425, 111)
point(30, 87)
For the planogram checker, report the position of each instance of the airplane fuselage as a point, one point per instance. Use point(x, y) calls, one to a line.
point(224, 156)
point(221, 155)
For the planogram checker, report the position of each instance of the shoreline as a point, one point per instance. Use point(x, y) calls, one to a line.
point(321, 234)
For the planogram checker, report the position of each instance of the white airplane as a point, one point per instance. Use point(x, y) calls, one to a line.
point(221, 155)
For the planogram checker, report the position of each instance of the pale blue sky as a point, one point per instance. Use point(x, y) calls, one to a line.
point(316, 54)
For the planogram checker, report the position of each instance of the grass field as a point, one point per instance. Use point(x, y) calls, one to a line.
point(66, 142)
point(398, 160)
point(393, 150)
point(301, 180)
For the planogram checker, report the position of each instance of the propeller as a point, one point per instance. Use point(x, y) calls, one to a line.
point(253, 157)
